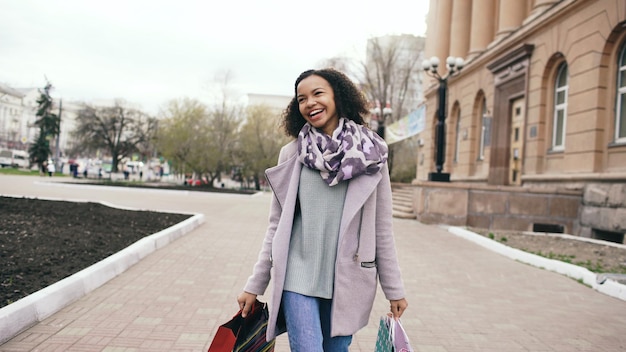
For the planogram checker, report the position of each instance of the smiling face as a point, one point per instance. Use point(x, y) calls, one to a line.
point(316, 101)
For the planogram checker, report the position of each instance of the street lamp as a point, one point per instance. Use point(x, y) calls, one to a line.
point(380, 117)
point(375, 117)
point(454, 65)
point(383, 123)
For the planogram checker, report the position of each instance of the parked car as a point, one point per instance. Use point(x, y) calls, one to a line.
point(14, 158)
point(196, 182)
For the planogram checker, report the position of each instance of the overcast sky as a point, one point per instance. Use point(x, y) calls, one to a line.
point(151, 51)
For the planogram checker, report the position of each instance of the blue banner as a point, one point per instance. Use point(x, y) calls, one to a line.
point(407, 126)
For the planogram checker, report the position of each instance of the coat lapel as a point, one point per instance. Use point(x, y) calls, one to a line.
point(283, 178)
point(359, 190)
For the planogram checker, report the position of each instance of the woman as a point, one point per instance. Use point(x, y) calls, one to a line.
point(330, 230)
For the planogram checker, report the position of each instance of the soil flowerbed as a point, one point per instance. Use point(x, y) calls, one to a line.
point(42, 242)
point(597, 256)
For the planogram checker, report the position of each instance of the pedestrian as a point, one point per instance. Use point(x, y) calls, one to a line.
point(50, 167)
point(74, 169)
point(330, 227)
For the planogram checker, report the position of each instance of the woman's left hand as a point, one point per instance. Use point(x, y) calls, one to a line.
point(398, 307)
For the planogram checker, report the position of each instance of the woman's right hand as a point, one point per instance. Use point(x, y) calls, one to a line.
point(246, 301)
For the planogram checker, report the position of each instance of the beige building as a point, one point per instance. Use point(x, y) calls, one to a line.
point(18, 109)
point(536, 119)
point(276, 102)
point(14, 130)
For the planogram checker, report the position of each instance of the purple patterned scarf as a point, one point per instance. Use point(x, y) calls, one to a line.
point(352, 150)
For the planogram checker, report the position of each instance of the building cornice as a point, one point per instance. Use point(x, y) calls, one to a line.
point(495, 49)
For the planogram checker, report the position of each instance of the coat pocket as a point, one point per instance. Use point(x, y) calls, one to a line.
point(355, 290)
point(371, 264)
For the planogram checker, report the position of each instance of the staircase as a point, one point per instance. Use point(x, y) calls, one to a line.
point(402, 197)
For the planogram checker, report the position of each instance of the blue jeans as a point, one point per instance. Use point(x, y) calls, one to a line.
point(308, 324)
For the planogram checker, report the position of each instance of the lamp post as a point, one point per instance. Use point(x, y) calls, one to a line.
point(381, 116)
point(383, 123)
point(375, 117)
point(430, 66)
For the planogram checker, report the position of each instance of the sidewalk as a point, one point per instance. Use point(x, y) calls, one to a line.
point(462, 297)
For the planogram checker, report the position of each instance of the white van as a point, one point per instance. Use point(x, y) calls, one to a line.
point(14, 158)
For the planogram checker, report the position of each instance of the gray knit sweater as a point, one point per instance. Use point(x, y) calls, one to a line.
point(313, 246)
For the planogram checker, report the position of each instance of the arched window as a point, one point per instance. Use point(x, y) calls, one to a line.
point(485, 128)
point(620, 116)
point(561, 86)
point(457, 131)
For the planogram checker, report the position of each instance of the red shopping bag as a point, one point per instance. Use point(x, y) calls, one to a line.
point(224, 339)
point(244, 334)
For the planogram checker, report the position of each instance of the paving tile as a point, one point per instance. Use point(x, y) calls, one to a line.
point(51, 346)
point(461, 296)
point(119, 349)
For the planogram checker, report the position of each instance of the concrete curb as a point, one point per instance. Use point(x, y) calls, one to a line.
point(24, 313)
point(598, 282)
point(112, 188)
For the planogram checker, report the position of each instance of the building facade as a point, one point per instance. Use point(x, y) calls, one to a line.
point(277, 103)
point(18, 113)
point(14, 131)
point(539, 110)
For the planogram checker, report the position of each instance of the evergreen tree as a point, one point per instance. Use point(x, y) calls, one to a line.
point(49, 125)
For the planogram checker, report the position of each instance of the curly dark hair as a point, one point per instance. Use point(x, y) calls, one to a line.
point(350, 102)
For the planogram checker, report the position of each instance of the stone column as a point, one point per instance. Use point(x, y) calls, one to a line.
point(431, 32)
point(460, 28)
point(482, 26)
point(510, 17)
point(442, 24)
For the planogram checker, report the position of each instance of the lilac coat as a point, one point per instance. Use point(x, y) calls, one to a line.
point(368, 200)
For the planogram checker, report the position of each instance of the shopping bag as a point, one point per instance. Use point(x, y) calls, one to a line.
point(383, 339)
point(400, 338)
point(224, 339)
point(244, 334)
point(391, 336)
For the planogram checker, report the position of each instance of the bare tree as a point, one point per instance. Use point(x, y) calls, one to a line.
point(200, 139)
point(391, 79)
point(225, 119)
point(181, 134)
point(390, 73)
point(222, 130)
point(260, 140)
point(118, 130)
point(340, 63)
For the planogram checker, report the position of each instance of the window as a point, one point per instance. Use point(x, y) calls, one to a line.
point(560, 108)
point(457, 132)
point(485, 128)
point(620, 116)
